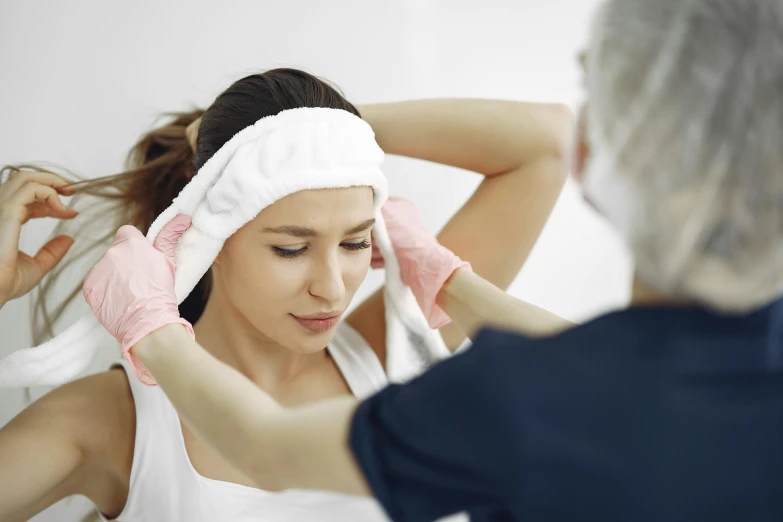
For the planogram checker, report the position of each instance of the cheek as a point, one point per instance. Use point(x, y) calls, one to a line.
point(355, 269)
point(257, 281)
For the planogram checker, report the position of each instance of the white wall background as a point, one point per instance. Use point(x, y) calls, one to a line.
point(81, 80)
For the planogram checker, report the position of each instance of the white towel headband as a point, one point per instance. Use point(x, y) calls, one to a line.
point(295, 150)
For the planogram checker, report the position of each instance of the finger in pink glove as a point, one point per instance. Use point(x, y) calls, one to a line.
point(131, 288)
point(425, 264)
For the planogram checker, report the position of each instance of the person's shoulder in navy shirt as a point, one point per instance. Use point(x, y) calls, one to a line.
point(646, 414)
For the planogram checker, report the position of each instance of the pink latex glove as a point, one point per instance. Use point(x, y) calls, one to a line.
point(425, 264)
point(131, 288)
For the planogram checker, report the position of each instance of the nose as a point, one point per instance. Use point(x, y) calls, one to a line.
point(326, 280)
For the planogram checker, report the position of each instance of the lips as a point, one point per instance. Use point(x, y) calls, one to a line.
point(319, 323)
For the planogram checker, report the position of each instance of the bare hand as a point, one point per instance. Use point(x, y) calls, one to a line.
point(29, 195)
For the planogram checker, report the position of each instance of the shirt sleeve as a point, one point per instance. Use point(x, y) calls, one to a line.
point(450, 440)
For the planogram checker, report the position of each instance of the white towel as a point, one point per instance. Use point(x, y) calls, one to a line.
point(295, 150)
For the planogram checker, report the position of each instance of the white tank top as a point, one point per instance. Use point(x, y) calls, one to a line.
point(164, 486)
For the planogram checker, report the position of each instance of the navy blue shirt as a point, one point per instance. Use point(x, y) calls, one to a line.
point(646, 414)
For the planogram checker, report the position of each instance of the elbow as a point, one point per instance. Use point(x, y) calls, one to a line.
point(549, 130)
point(557, 125)
point(549, 157)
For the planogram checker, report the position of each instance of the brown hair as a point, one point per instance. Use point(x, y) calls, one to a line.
point(163, 162)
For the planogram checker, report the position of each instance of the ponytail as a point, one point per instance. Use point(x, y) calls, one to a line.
point(158, 168)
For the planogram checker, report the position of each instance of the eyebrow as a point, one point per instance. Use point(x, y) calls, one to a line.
point(295, 231)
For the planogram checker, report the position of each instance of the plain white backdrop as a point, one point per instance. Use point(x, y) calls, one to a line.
point(81, 80)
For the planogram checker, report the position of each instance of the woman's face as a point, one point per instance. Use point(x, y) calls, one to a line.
point(293, 270)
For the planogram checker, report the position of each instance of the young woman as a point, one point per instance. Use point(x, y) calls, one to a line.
point(122, 445)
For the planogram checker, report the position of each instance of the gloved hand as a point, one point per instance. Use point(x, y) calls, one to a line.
point(131, 288)
point(425, 264)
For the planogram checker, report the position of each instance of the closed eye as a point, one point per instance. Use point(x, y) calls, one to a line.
point(357, 246)
point(296, 252)
point(289, 252)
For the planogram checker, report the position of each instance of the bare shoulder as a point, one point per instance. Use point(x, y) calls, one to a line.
point(77, 439)
point(98, 413)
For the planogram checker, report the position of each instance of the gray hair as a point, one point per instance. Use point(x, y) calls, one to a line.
point(685, 122)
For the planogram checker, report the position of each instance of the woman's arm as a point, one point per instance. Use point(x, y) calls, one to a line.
point(518, 147)
point(78, 439)
point(475, 303)
point(489, 137)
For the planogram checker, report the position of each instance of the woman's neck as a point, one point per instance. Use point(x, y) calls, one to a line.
point(224, 332)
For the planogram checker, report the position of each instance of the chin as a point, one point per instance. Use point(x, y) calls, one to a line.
point(309, 342)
